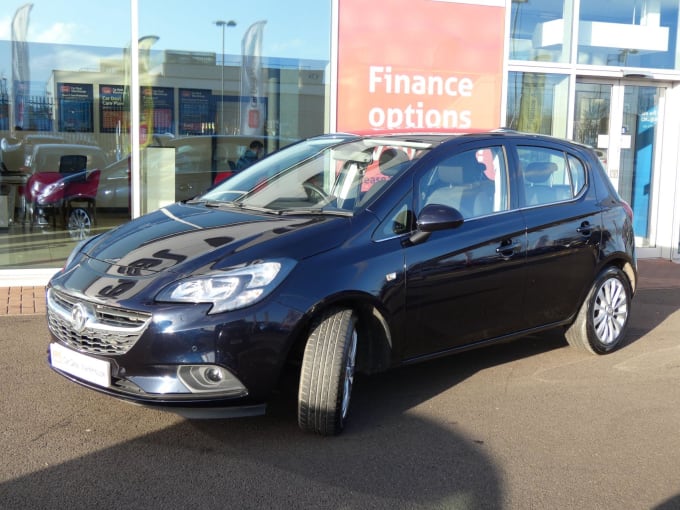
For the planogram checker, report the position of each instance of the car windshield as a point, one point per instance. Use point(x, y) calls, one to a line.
point(334, 175)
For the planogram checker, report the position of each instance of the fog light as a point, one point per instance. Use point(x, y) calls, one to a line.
point(210, 379)
point(213, 375)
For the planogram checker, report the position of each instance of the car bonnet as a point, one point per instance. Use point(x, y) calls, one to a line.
point(190, 239)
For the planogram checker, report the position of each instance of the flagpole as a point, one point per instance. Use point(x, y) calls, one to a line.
point(21, 80)
point(251, 80)
point(223, 24)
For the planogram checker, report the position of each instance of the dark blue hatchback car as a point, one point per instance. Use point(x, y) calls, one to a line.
point(346, 254)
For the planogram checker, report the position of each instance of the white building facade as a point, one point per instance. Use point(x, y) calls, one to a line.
point(602, 73)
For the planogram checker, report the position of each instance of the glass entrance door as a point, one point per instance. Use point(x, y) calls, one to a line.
point(622, 121)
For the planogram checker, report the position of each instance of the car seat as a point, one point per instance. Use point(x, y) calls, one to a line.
point(460, 184)
point(537, 186)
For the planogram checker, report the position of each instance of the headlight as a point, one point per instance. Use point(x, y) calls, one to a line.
point(231, 289)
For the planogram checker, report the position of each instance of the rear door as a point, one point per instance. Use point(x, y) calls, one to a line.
point(563, 222)
point(466, 285)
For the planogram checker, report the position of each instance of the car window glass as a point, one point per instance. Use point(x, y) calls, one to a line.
point(387, 162)
point(474, 182)
point(577, 171)
point(343, 176)
point(546, 176)
point(400, 220)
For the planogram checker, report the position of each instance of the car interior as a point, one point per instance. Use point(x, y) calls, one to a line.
point(461, 183)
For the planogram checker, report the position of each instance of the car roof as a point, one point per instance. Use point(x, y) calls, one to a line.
point(439, 137)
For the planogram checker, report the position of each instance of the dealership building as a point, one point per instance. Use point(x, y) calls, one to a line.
point(172, 99)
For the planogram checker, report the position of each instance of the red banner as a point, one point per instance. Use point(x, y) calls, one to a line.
point(419, 65)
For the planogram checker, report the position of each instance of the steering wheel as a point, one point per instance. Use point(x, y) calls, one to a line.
point(312, 190)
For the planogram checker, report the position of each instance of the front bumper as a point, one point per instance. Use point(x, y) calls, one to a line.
point(191, 407)
point(176, 357)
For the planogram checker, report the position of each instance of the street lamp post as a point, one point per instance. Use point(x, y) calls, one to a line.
point(223, 24)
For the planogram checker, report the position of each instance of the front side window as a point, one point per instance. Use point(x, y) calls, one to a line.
point(474, 182)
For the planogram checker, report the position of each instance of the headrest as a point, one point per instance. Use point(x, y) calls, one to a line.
point(461, 169)
point(539, 171)
point(390, 159)
point(451, 174)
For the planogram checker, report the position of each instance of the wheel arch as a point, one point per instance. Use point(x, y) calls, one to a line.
point(375, 346)
point(627, 266)
point(600, 324)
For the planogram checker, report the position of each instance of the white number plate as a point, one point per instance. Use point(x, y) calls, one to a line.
point(90, 369)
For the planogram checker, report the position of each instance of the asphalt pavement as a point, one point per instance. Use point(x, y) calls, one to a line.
point(532, 424)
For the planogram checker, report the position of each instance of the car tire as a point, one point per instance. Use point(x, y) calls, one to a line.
point(327, 374)
point(79, 223)
point(601, 323)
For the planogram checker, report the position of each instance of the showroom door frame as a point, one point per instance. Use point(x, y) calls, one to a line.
point(618, 138)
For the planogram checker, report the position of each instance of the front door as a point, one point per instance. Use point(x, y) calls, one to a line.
point(466, 285)
point(622, 120)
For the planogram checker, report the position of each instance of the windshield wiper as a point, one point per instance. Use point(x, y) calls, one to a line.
point(216, 204)
point(291, 211)
point(313, 210)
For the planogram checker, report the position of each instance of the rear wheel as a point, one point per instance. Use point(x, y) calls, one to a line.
point(327, 374)
point(601, 323)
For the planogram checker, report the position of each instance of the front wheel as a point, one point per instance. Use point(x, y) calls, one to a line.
point(601, 323)
point(79, 223)
point(327, 374)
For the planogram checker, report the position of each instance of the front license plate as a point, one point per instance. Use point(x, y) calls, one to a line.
point(89, 369)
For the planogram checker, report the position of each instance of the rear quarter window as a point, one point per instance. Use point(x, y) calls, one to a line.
point(577, 173)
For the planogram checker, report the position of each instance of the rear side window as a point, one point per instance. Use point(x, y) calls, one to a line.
point(549, 175)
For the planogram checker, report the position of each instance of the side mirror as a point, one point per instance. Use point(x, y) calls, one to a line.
point(435, 217)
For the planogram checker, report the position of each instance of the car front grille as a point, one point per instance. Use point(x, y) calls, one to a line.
point(92, 327)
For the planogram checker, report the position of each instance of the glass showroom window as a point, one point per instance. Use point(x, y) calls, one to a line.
point(537, 103)
point(218, 88)
point(64, 119)
point(540, 31)
point(629, 33)
point(242, 86)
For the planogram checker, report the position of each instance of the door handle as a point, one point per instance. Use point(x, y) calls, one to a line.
point(585, 229)
point(508, 248)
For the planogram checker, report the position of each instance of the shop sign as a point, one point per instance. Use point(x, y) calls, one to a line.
point(419, 64)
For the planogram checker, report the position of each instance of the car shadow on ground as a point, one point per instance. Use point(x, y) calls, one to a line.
point(388, 457)
point(398, 461)
point(650, 308)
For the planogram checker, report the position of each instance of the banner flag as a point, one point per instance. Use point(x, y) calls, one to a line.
point(252, 102)
point(21, 78)
point(146, 127)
